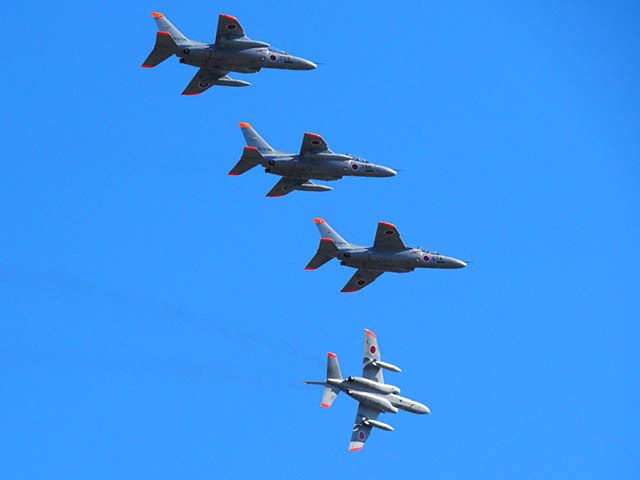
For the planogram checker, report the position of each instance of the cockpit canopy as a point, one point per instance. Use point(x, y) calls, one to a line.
point(277, 50)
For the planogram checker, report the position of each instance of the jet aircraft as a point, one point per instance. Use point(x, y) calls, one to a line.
point(232, 51)
point(374, 396)
point(388, 254)
point(315, 161)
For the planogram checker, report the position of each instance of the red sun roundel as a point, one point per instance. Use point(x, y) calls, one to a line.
point(315, 142)
point(273, 58)
point(361, 282)
point(361, 435)
point(426, 258)
point(373, 349)
point(354, 166)
point(231, 26)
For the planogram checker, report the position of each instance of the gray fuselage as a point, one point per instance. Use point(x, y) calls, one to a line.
point(321, 166)
point(235, 58)
point(392, 260)
point(352, 389)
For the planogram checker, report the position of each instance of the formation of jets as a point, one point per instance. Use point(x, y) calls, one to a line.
point(373, 395)
point(233, 51)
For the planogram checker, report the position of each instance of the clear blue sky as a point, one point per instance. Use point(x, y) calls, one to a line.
point(155, 317)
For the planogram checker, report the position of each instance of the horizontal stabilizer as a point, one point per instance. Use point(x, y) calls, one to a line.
point(250, 158)
point(163, 49)
point(328, 396)
point(326, 251)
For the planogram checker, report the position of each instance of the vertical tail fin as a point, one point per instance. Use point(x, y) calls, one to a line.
point(254, 140)
point(327, 232)
point(165, 25)
point(333, 371)
point(333, 367)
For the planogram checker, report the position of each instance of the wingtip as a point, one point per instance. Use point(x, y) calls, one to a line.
point(370, 332)
point(355, 449)
point(319, 220)
point(332, 355)
point(244, 125)
point(313, 135)
point(325, 405)
point(147, 66)
point(191, 94)
point(388, 224)
point(233, 174)
point(347, 291)
point(309, 268)
point(229, 17)
point(157, 15)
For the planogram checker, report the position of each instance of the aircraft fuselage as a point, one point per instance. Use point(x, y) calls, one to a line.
point(370, 396)
point(399, 261)
point(242, 60)
point(332, 166)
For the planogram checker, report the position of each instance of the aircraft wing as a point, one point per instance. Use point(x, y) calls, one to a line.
point(387, 236)
point(229, 27)
point(286, 185)
point(361, 279)
point(313, 143)
point(203, 80)
point(361, 431)
point(371, 353)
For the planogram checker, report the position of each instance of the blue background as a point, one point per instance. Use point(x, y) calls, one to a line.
point(155, 317)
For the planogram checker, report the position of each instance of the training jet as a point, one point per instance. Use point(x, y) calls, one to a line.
point(388, 254)
point(232, 51)
point(374, 396)
point(315, 161)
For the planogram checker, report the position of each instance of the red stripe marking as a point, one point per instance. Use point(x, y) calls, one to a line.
point(309, 268)
point(250, 148)
point(233, 174)
point(349, 291)
point(229, 17)
point(355, 449)
point(319, 220)
point(370, 333)
point(164, 33)
point(325, 405)
point(244, 125)
point(157, 15)
point(313, 135)
point(332, 355)
point(147, 66)
point(326, 240)
point(387, 224)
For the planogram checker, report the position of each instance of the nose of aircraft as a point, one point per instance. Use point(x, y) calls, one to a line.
point(386, 172)
point(302, 64)
point(422, 409)
point(459, 263)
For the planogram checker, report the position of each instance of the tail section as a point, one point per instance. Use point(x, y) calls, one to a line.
point(250, 158)
point(333, 371)
point(326, 251)
point(165, 25)
point(327, 232)
point(166, 43)
point(254, 140)
point(333, 367)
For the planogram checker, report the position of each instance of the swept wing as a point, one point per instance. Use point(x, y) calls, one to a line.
point(313, 143)
point(371, 353)
point(203, 80)
point(361, 279)
point(228, 27)
point(361, 431)
point(387, 236)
